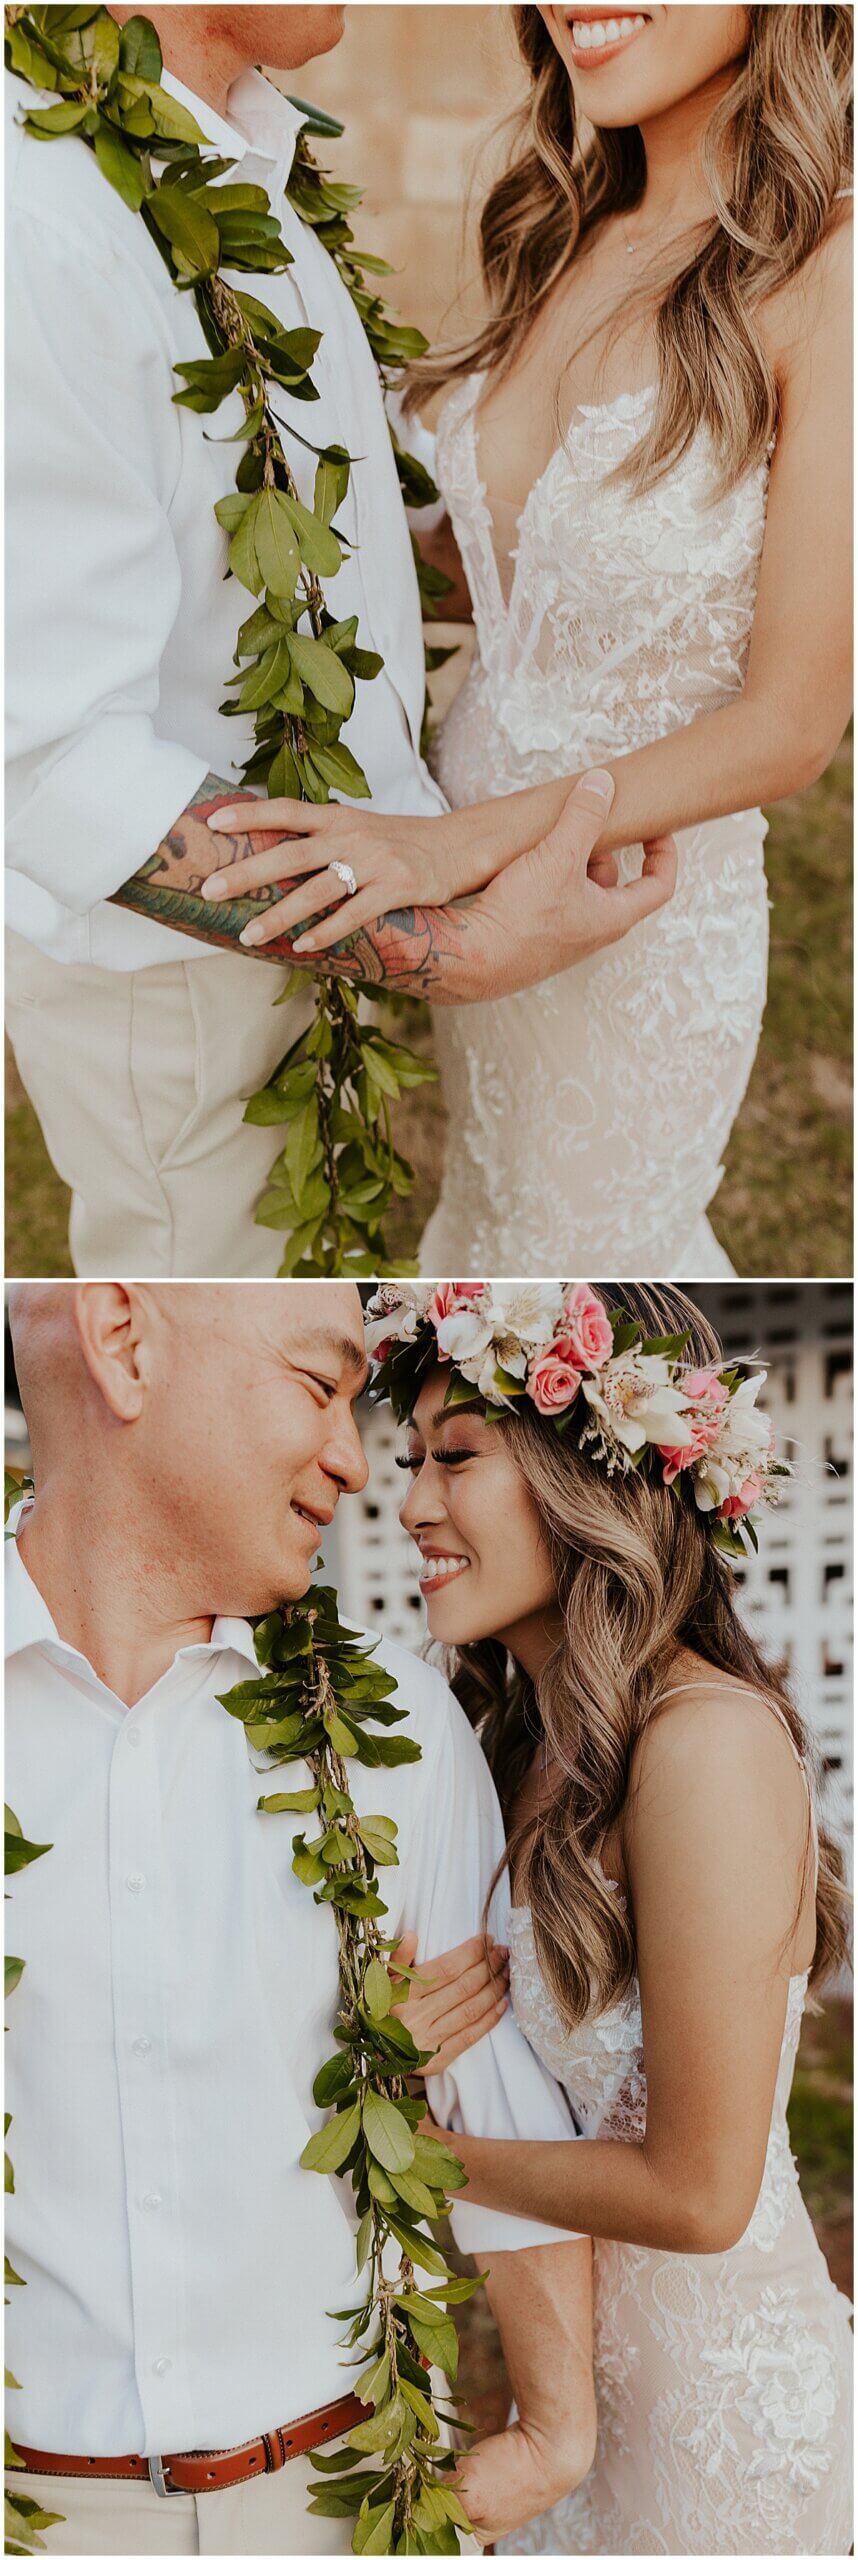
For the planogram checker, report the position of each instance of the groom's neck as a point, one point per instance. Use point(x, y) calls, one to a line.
point(108, 1585)
point(201, 47)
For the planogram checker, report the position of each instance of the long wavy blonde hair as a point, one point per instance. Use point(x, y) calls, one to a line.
point(637, 1577)
point(777, 151)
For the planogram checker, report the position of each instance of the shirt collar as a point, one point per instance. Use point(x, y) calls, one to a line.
point(262, 125)
point(29, 1621)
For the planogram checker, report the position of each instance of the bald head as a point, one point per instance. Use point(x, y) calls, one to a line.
point(217, 1415)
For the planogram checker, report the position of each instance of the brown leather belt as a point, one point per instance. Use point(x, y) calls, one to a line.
point(193, 2475)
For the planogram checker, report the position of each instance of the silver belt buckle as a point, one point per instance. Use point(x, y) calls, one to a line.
point(163, 2487)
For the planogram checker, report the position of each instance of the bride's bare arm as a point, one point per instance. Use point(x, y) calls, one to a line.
point(774, 738)
point(715, 1854)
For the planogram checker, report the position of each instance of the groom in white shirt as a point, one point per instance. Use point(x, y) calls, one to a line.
point(180, 1985)
point(137, 1044)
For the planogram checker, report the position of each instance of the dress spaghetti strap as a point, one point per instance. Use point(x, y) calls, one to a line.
point(740, 1689)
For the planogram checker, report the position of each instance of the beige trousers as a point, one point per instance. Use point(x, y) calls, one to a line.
point(139, 1080)
point(127, 2515)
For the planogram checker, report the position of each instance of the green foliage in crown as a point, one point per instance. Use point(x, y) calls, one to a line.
point(321, 1699)
point(296, 665)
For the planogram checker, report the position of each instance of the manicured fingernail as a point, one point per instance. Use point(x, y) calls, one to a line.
point(253, 933)
point(600, 787)
point(305, 942)
point(212, 888)
point(224, 817)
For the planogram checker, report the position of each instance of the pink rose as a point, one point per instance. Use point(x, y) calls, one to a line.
point(737, 1504)
point(383, 1349)
point(553, 1382)
point(586, 1339)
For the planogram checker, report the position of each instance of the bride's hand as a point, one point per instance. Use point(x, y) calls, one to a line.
point(396, 863)
point(453, 2001)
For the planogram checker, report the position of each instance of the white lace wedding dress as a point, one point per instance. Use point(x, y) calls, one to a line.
point(588, 1115)
point(723, 2382)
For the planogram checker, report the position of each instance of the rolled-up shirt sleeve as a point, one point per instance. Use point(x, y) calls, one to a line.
point(498, 2088)
point(93, 578)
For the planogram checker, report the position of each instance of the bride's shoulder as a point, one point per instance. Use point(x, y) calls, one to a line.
point(818, 299)
point(714, 1740)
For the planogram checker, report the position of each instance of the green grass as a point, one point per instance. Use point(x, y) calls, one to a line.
point(785, 1204)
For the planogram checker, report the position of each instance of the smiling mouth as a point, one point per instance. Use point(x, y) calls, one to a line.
point(596, 37)
point(436, 1570)
point(316, 1520)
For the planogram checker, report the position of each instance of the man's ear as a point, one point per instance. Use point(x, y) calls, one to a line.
point(112, 1328)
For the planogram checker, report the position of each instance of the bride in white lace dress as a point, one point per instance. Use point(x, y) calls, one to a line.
point(645, 458)
point(610, 614)
point(674, 1900)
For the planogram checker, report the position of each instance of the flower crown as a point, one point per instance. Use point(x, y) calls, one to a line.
point(631, 1399)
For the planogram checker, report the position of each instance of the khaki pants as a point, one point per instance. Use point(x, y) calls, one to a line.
point(127, 2515)
point(139, 1081)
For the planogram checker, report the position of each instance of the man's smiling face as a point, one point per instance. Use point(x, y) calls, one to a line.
point(252, 1414)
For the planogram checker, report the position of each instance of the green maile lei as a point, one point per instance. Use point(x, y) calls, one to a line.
point(297, 666)
point(318, 1694)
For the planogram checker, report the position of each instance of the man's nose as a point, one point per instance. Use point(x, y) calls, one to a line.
point(344, 1456)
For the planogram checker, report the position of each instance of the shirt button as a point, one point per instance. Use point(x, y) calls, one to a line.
point(134, 1884)
point(141, 2045)
point(162, 2364)
point(134, 1737)
point(151, 2204)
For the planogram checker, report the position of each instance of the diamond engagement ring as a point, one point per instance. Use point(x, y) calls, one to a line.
point(345, 873)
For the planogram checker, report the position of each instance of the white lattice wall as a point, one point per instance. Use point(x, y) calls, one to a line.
point(797, 1594)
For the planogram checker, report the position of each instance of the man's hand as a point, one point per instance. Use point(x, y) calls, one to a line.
point(561, 902)
point(542, 2302)
point(555, 905)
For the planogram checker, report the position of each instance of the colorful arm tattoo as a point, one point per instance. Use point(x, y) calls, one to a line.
point(415, 951)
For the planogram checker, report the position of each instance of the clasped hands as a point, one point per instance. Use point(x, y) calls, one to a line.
point(555, 904)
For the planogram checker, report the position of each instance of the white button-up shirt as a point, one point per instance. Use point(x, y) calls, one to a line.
point(121, 625)
point(180, 1993)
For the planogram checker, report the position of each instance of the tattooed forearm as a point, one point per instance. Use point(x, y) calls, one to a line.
point(168, 886)
point(418, 951)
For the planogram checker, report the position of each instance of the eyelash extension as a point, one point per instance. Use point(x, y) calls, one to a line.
point(443, 1458)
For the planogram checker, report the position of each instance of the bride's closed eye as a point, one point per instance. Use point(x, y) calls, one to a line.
point(442, 1457)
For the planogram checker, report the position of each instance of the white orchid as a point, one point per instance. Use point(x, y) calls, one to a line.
point(396, 1313)
point(527, 1312)
point(466, 1334)
point(635, 1402)
point(740, 1453)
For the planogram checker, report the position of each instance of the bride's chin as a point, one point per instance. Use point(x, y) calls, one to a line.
point(449, 1618)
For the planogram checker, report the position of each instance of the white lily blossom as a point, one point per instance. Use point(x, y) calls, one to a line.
point(635, 1402)
point(741, 1451)
point(527, 1311)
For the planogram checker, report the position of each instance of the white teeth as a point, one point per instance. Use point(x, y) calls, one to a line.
point(592, 34)
point(441, 1568)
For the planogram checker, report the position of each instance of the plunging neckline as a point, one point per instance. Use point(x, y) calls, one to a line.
point(582, 411)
